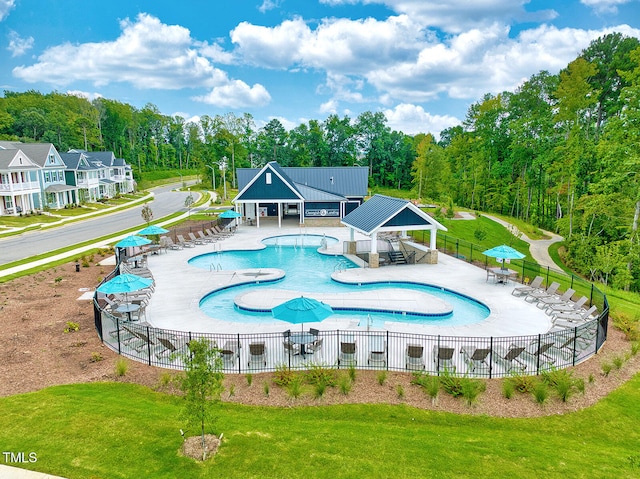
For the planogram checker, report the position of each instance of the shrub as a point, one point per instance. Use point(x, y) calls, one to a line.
point(606, 368)
point(232, 390)
point(400, 391)
point(165, 378)
point(541, 392)
point(294, 388)
point(96, 357)
point(283, 375)
point(523, 384)
point(71, 327)
point(471, 389)
point(618, 361)
point(352, 373)
point(319, 389)
point(249, 377)
point(345, 384)
point(318, 373)
point(508, 388)
point(451, 384)
point(635, 347)
point(382, 377)
point(265, 387)
point(122, 366)
point(562, 381)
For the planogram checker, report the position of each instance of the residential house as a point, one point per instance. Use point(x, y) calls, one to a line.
point(82, 174)
point(19, 185)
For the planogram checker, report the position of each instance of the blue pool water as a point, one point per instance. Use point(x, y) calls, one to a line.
point(309, 271)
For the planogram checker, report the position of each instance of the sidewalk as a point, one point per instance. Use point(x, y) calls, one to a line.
point(8, 472)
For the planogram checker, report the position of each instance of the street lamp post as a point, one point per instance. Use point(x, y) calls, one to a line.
point(223, 167)
point(213, 176)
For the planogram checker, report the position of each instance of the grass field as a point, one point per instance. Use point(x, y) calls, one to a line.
point(114, 430)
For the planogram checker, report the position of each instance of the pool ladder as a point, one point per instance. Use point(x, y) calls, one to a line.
point(340, 266)
point(215, 267)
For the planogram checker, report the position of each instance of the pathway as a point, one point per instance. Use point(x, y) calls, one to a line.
point(539, 249)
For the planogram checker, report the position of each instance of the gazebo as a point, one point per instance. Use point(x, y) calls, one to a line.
point(385, 214)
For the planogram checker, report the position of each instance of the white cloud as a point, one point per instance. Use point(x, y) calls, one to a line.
point(149, 55)
point(18, 45)
point(604, 6)
point(5, 8)
point(330, 107)
point(236, 94)
point(84, 94)
point(413, 119)
point(456, 16)
point(268, 5)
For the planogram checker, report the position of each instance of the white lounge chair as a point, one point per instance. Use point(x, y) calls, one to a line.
point(195, 240)
point(536, 296)
point(568, 307)
point(578, 316)
point(508, 358)
point(377, 351)
point(476, 357)
point(443, 358)
point(257, 355)
point(535, 285)
point(414, 357)
point(555, 299)
point(184, 242)
point(347, 356)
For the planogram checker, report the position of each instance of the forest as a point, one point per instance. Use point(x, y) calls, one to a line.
point(561, 151)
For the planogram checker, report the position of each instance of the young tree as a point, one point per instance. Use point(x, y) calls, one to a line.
point(147, 214)
point(201, 383)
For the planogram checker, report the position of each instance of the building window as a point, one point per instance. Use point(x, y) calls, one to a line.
point(268, 178)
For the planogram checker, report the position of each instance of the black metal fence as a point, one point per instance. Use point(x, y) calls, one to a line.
point(368, 349)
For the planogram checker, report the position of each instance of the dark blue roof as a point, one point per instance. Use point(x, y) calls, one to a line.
point(347, 181)
point(381, 211)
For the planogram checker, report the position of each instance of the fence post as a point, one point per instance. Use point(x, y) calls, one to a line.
point(118, 331)
point(148, 347)
point(239, 354)
point(387, 350)
point(490, 356)
point(575, 346)
point(538, 355)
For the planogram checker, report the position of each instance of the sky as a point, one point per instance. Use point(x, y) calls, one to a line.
point(420, 62)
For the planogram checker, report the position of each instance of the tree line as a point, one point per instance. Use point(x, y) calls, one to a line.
point(560, 151)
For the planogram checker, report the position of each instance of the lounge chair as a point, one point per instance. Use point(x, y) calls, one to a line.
point(377, 351)
point(536, 352)
point(168, 243)
point(230, 352)
point(168, 346)
point(567, 307)
point(543, 303)
point(184, 242)
point(509, 357)
point(222, 232)
point(577, 316)
point(205, 238)
point(535, 285)
point(414, 357)
point(214, 235)
point(535, 296)
point(257, 355)
point(476, 357)
point(347, 356)
point(193, 238)
point(443, 358)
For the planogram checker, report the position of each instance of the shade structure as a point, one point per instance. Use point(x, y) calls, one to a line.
point(229, 214)
point(302, 310)
point(132, 241)
point(152, 230)
point(124, 283)
point(503, 252)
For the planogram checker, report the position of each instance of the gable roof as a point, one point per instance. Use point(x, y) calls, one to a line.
point(270, 183)
point(39, 153)
point(316, 183)
point(76, 161)
point(384, 213)
point(16, 159)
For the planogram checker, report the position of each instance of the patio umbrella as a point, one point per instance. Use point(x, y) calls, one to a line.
point(503, 252)
point(124, 283)
point(229, 214)
point(302, 310)
point(132, 241)
point(152, 230)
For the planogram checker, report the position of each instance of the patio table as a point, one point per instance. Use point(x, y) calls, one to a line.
point(503, 275)
point(302, 338)
point(128, 308)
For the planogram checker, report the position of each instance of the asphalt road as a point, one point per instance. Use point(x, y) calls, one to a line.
point(31, 243)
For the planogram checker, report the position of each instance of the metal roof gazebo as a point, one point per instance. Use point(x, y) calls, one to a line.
point(383, 213)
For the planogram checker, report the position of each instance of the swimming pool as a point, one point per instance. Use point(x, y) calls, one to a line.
point(308, 271)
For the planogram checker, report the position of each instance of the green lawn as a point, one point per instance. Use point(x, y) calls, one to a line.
point(113, 430)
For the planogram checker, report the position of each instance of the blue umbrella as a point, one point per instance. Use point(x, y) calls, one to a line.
point(132, 241)
point(503, 252)
point(124, 283)
point(302, 310)
point(229, 214)
point(152, 230)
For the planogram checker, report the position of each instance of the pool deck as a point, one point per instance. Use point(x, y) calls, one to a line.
point(180, 287)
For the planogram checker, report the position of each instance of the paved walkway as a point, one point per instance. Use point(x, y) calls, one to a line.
point(8, 472)
point(539, 248)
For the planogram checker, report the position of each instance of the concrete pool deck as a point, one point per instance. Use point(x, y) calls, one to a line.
point(180, 287)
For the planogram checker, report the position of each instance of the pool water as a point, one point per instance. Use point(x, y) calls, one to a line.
point(308, 271)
